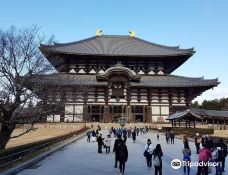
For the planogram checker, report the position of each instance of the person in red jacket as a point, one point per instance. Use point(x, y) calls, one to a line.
point(205, 156)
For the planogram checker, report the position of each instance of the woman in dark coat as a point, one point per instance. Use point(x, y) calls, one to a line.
point(157, 153)
point(122, 156)
point(134, 136)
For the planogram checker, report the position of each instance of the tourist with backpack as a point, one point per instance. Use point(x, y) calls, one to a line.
point(157, 153)
point(122, 156)
point(94, 136)
point(186, 158)
point(134, 136)
point(148, 153)
point(117, 143)
point(204, 157)
point(88, 136)
point(217, 158)
point(224, 150)
point(100, 143)
point(108, 143)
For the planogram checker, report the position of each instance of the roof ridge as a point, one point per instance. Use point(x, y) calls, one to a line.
point(118, 36)
point(70, 43)
point(164, 46)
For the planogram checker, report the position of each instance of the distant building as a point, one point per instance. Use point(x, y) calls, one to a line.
point(192, 115)
point(105, 77)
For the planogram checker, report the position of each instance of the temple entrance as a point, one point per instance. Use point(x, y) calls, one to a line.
point(139, 118)
point(95, 118)
point(116, 112)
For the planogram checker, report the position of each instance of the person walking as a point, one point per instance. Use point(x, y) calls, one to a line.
point(204, 156)
point(197, 143)
point(217, 158)
point(108, 143)
point(186, 158)
point(167, 137)
point(137, 131)
point(224, 150)
point(117, 143)
point(148, 153)
point(134, 136)
point(100, 143)
point(88, 135)
point(157, 153)
point(172, 137)
point(129, 132)
point(122, 156)
point(94, 136)
point(157, 137)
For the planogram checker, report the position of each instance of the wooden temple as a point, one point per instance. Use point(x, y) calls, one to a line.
point(106, 77)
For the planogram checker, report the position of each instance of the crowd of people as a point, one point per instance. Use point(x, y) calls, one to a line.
point(207, 150)
point(210, 151)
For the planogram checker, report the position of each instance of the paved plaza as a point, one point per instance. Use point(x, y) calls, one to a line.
point(81, 158)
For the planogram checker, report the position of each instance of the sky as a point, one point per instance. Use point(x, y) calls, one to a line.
point(202, 24)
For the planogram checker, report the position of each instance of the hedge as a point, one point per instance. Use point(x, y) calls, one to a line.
point(189, 131)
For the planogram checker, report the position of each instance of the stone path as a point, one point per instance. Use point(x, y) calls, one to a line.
point(81, 158)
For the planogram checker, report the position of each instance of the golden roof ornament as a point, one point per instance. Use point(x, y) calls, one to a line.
point(98, 32)
point(132, 33)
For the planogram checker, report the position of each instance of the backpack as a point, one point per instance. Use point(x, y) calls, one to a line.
point(215, 155)
point(157, 162)
point(203, 155)
point(186, 157)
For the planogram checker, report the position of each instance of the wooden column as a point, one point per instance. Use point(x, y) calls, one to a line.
point(144, 114)
point(149, 114)
point(149, 109)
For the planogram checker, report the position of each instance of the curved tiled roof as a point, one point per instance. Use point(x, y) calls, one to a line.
point(147, 81)
point(199, 113)
point(175, 81)
point(111, 45)
point(118, 68)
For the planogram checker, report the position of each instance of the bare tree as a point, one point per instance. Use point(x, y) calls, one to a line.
point(20, 59)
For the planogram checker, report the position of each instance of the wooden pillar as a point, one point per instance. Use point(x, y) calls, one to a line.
point(144, 114)
point(149, 114)
point(179, 123)
point(213, 122)
point(194, 123)
point(112, 111)
point(172, 124)
point(101, 119)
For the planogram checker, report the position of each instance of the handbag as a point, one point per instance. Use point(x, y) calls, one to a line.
point(146, 154)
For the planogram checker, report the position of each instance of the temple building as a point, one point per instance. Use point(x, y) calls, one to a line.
point(106, 77)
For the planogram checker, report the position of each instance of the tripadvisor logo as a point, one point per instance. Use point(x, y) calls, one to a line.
point(176, 164)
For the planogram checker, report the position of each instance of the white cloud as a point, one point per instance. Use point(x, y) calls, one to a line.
point(215, 93)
